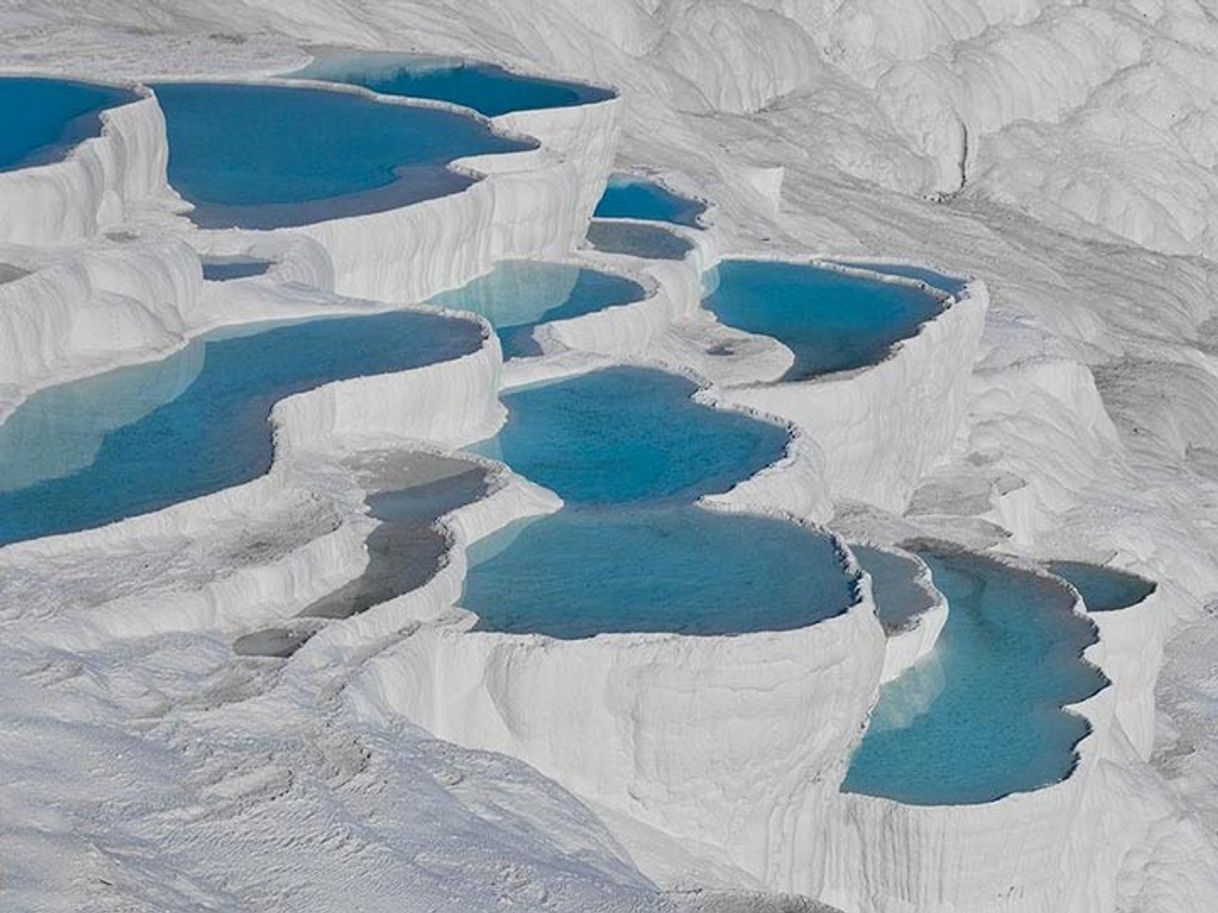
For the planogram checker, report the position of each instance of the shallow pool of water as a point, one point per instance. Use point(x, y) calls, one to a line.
point(265, 156)
point(981, 716)
point(830, 320)
point(677, 568)
point(629, 434)
point(895, 585)
point(488, 89)
point(140, 438)
point(631, 197)
point(649, 242)
point(44, 118)
point(224, 269)
point(1104, 589)
point(517, 296)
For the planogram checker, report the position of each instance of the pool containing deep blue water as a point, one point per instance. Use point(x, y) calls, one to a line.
point(831, 320)
point(629, 451)
point(650, 242)
point(44, 118)
point(1104, 589)
point(141, 438)
point(981, 716)
point(630, 197)
point(677, 568)
point(488, 89)
point(518, 296)
point(265, 156)
point(627, 434)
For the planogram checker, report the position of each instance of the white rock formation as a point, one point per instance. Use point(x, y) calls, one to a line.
point(1071, 149)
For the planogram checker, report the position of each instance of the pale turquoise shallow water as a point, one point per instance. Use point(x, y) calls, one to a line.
point(629, 451)
point(1104, 589)
point(140, 438)
point(265, 156)
point(830, 320)
point(981, 716)
point(488, 89)
point(518, 296)
point(630, 197)
point(44, 118)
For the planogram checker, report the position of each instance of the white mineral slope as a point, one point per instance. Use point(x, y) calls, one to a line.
point(910, 643)
point(667, 729)
point(97, 185)
point(857, 130)
point(91, 307)
point(882, 427)
point(529, 204)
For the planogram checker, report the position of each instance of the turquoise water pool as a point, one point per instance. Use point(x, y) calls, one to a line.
point(629, 452)
point(488, 89)
point(140, 438)
point(265, 156)
point(627, 434)
point(895, 586)
point(44, 118)
point(517, 296)
point(1104, 589)
point(650, 242)
point(981, 716)
point(677, 568)
point(830, 320)
point(630, 197)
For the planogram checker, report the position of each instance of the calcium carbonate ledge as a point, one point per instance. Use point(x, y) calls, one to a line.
point(97, 185)
point(733, 742)
point(918, 637)
point(100, 306)
point(1133, 639)
point(530, 204)
point(1032, 852)
point(881, 427)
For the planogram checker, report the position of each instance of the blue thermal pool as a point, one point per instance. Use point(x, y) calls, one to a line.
point(948, 285)
point(650, 242)
point(630, 197)
point(518, 296)
point(140, 438)
point(830, 320)
point(629, 452)
point(981, 716)
point(486, 88)
point(1104, 589)
point(895, 585)
point(627, 434)
point(676, 568)
point(44, 118)
point(265, 156)
point(224, 269)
